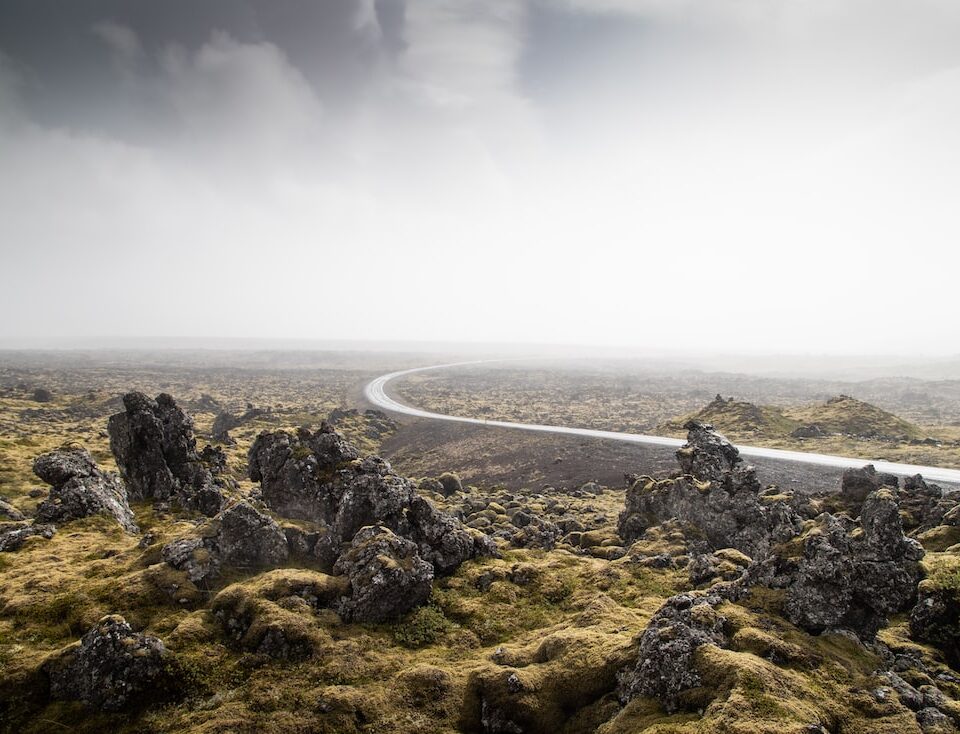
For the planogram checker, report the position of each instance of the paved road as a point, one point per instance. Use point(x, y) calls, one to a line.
point(376, 393)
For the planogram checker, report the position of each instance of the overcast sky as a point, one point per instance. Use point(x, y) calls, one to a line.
point(764, 175)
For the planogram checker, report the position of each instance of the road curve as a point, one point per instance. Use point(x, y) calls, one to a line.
point(376, 393)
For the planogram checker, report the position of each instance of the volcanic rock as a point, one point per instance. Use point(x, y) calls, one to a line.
point(852, 575)
point(856, 484)
point(665, 666)
point(80, 489)
point(715, 494)
point(317, 477)
point(14, 534)
point(292, 470)
point(926, 505)
point(387, 576)
point(111, 668)
point(156, 451)
point(442, 540)
point(222, 425)
point(9, 511)
point(238, 537)
point(936, 619)
point(42, 395)
point(707, 455)
point(451, 483)
point(536, 532)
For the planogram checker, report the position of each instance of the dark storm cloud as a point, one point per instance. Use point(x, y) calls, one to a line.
point(69, 74)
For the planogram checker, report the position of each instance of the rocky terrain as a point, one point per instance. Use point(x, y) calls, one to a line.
point(157, 575)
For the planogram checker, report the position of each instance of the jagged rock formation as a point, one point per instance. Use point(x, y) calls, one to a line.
point(717, 495)
point(665, 668)
point(238, 537)
point(925, 505)
point(387, 576)
point(80, 489)
point(936, 619)
point(707, 455)
point(852, 575)
point(110, 668)
point(14, 534)
point(316, 477)
point(294, 469)
point(839, 573)
point(442, 540)
point(156, 451)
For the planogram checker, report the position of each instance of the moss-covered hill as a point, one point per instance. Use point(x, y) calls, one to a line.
point(842, 425)
point(851, 417)
point(841, 415)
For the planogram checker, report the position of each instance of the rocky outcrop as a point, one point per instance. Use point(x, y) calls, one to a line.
point(707, 455)
point(239, 537)
point(318, 477)
point(450, 483)
point(721, 498)
point(665, 666)
point(811, 430)
point(936, 619)
point(387, 576)
point(925, 505)
point(80, 489)
point(111, 668)
point(856, 484)
point(14, 534)
point(441, 539)
point(535, 532)
point(156, 451)
point(852, 575)
point(294, 469)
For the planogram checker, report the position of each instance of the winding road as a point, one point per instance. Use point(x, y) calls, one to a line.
point(376, 393)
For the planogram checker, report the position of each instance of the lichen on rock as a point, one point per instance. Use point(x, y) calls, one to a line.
point(387, 576)
point(239, 537)
point(80, 489)
point(111, 668)
point(721, 498)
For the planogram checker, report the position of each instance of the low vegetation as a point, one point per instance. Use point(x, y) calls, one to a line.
point(534, 640)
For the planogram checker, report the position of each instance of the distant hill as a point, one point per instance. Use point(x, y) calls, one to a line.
point(849, 416)
point(732, 416)
point(842, 415)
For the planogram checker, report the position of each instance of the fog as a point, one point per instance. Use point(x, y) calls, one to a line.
point(725, 175)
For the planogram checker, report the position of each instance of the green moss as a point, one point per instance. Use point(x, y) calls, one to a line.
point(422, 627)
point(301, 452)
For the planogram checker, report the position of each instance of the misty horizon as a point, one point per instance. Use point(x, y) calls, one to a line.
point(731, 177)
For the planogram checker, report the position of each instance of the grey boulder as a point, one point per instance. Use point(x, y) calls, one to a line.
point(239, 537)
point(80, 489)
point(387, 576)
